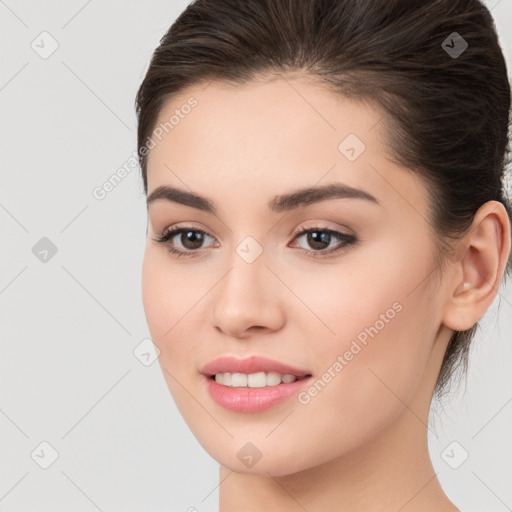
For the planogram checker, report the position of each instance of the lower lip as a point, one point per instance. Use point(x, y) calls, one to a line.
point(252, 399)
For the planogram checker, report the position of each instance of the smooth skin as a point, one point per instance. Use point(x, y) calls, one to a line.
point(360, 444)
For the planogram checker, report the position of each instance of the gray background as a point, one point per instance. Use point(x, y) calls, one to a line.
point(70, 325)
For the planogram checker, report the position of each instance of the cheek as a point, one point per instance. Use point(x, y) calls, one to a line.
point(385, 332)
point(166, 301)
point(364, 386)
point(167, 292)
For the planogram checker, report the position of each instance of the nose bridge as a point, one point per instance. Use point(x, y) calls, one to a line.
point(246, 279)
point(246, 297)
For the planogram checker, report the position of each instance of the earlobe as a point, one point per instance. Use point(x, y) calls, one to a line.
point(482, 266)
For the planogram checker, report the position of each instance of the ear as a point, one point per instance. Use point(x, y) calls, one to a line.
point(478, 271)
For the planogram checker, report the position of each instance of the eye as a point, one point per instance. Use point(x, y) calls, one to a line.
point(320, 237)
point(191, 239)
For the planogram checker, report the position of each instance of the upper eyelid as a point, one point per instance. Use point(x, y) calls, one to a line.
point(191, 227)
point(186, 227)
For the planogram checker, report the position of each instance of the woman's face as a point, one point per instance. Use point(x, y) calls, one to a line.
point(357, 313)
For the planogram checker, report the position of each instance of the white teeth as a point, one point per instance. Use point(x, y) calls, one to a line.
point(253, 380)
point(238, 380)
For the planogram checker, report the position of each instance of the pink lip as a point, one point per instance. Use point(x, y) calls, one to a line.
point(252, 364)
point(252, 399)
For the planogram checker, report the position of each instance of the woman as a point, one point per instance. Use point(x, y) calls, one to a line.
point(327, 225)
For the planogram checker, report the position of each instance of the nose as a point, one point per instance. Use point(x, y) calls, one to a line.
point(248, 299)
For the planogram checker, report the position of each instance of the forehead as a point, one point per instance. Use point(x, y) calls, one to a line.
point(263, 118)
point(264, 137)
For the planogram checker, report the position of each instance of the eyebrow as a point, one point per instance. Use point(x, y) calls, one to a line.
point(286, 202)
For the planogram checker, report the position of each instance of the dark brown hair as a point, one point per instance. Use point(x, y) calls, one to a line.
point(447, 109)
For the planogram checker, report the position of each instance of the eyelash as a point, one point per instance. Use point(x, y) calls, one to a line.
point(167, 235)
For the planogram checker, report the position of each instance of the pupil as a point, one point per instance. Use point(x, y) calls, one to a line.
point(193, 237)
point(319, 237)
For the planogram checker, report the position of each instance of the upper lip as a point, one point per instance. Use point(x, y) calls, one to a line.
point(252, 364)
